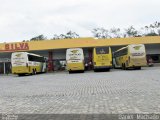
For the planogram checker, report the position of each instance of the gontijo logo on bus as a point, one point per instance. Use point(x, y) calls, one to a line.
point(74, 51)
point(18, 55)
point(102, 51)
point(74, 54)
point(137, 47)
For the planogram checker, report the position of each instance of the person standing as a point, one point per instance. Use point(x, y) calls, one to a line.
point(90, 65)
point(86, 66)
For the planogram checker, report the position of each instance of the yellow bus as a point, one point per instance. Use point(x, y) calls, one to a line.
point(75, 59)
point(27, 63)
point(102, 58)
point(131, 56)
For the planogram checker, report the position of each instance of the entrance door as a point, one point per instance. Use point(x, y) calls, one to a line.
point(7, 68)
point(1, 67)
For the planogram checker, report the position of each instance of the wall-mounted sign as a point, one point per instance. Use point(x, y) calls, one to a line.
point(16, 46)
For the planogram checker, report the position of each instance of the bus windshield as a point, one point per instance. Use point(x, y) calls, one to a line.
point(74, 54)
point(102, 50)
point(36, 58)
point(137, 50)
point(18, 59)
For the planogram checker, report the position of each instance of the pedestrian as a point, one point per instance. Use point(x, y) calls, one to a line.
point(90, 65)
point(86, 66)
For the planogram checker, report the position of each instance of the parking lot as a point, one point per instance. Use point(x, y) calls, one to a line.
point(117, 91)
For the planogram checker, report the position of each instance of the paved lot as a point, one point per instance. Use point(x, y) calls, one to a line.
point(117, 91)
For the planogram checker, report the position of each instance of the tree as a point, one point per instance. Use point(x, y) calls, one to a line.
point(159, 32)
point(25, 40)
point(151, 34)
point(39, 37)
point(71, 35)
point(152, 29)
point(68, 35)
point(62, 36)
point(115, 33)
point(55, 37)
point(131, 32)
point(100, 33)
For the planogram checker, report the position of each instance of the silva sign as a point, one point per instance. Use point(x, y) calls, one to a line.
point(16, 46)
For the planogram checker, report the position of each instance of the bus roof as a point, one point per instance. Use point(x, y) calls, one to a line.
point(126, 47)
point(28, 53)
point(120, 49)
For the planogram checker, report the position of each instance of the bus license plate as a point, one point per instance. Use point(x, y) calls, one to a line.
point(103, 63)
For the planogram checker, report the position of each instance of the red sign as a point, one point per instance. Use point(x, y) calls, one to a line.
point(16, 46)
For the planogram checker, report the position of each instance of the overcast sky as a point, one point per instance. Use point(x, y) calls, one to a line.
point(24, 19)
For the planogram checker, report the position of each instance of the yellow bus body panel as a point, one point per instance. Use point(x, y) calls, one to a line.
point(75, 66)
point(133, 62)
point(20, 69)
point(102, 60)
point(137, 62)
point(130, 61)
point(25, 70)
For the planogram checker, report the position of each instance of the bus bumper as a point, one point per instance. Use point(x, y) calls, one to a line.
point(136, 65)
point(102, 67)
point(20, 70)
point(75, 66)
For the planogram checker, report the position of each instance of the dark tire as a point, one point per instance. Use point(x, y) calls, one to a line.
point(69, 72)
point(35, 71)
point(82, 71)
point(114, 67)
point(125, 66)
point(138, 68)
point(122, 66)
point(95, 70)
point(20, 75)
point(107, 69)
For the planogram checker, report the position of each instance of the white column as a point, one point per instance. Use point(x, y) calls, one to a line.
point(4, 68)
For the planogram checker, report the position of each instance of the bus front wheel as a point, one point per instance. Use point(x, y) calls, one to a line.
point(82, 71)
point(20, 75)
point(125, 67)
point(114, 67)
point(33, 71)
point(138, 68)
point(122, 66)
point(95, 70)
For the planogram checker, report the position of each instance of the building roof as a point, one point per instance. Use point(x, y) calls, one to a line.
point(77, 42)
